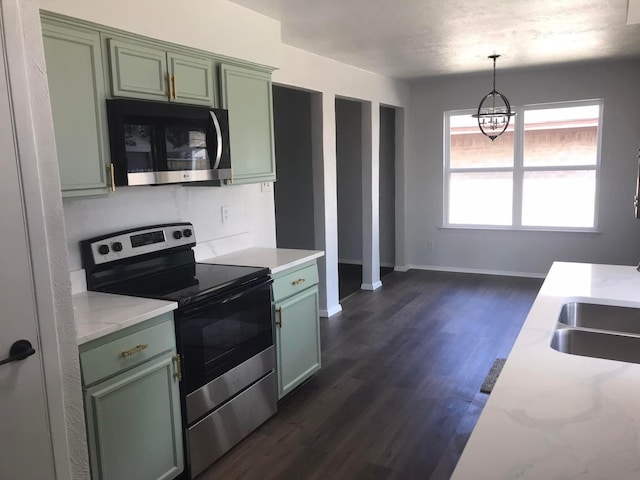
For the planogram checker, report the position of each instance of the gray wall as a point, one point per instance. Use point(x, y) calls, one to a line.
point(387, 186)
point(294, 188)
point(349, 173)
point(618, 242)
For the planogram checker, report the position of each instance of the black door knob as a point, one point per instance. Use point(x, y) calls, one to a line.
point(19, 351)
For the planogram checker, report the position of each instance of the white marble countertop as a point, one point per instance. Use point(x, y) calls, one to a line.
point(554, 415)
point(276, 259)
point(98, 314)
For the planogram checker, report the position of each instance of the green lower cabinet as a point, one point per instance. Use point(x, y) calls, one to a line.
point(134, 423)
point(297, 339)
point(247, 95)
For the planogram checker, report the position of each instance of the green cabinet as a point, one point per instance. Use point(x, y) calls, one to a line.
point(76, 88)
point(132, 403)
point(247, 95)
point(297, 326)
point(146, 72)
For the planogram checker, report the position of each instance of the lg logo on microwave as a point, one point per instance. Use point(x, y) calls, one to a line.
point(186, 176)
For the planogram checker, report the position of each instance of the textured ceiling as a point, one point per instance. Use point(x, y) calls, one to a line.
point(415, 38)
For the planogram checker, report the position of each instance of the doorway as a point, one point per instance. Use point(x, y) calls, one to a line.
point(349, 187)
point(387, 190)
point(293, 192)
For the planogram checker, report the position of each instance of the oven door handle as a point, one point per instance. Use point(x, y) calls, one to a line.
point(190, 311)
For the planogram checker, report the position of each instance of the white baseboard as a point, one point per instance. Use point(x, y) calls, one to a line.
point(330, 312)
point(401, 268)
point(349, 261)
point(480, 271)
point(371, 286)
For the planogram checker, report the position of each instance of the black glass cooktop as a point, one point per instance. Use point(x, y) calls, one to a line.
point(189, 283)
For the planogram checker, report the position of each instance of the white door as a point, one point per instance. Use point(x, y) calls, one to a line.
point(25, 437)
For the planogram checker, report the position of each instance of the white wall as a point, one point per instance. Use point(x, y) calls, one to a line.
point(516, 251)
point(251, 220)
point(349, 168)
point(46, 227)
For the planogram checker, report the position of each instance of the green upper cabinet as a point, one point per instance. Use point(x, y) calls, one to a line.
point(192, 79)
point(76, 89)
point(247, 95)
point(138, 71)
point(145, 72)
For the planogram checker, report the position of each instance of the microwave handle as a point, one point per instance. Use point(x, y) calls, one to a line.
point(216, 124)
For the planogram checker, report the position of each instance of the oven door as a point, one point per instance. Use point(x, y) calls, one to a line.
point(220, 333)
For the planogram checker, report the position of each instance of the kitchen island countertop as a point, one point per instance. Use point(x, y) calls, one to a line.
point(554, 415)
point(98, 314)
point(275, 259)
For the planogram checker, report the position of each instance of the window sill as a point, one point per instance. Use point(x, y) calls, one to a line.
point(521, 229)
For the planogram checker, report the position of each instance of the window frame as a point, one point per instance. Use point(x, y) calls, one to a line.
point(518, 169)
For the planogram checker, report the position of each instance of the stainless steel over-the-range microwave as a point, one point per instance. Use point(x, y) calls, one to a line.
point(155, 143)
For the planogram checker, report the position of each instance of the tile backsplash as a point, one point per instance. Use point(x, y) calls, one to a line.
point(251, 217)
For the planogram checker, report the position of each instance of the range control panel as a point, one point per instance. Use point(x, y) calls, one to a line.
point(136, 242)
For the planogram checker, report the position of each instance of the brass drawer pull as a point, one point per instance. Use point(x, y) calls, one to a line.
point(298, 281)
point(178, 366)
point(139, 348)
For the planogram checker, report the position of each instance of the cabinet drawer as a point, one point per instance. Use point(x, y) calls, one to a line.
point(294, 282)
point(122, 350)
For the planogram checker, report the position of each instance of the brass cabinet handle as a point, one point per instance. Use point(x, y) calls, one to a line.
point(112, 176)
point(139, 348)
point(170, 86)
point(173, 81)
point(298, 281)
point(279, 317)
point(177, 361)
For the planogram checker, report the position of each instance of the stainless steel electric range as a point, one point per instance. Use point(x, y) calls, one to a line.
point(224, 330)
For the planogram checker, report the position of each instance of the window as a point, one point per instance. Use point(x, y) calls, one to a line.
point(542, 173)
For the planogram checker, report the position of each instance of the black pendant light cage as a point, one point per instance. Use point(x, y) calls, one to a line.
point(494, 111)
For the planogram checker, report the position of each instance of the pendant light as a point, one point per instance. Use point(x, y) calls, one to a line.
point(494, 111)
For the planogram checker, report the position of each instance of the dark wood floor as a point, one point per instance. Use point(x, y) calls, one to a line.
point(398, 394)
point(350, 278)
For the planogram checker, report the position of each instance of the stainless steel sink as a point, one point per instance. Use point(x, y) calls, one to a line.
point(599, 344)
point(601, 317)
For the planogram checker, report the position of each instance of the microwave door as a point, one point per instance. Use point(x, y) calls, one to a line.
point(215, 133)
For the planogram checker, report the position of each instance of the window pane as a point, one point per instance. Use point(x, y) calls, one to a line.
point(561, 136)
point(559, 199)
point(471, 149)
point(482, 198)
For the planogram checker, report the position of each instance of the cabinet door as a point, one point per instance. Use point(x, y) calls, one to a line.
point(247, 96)
point(134, 424)
point(298, 339)
point(76, 89)
point(193, 79)
point(138, 71)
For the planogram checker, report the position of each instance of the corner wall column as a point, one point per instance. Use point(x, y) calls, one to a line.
point(325, 198)
point(371, 196)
